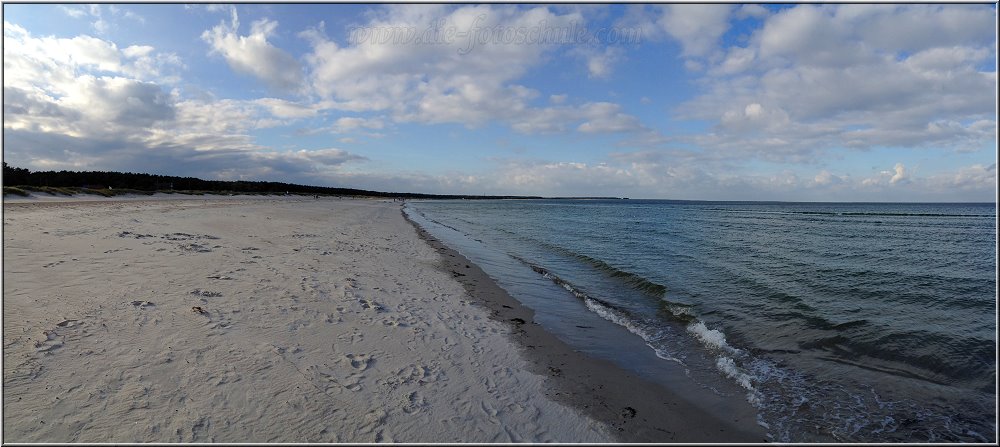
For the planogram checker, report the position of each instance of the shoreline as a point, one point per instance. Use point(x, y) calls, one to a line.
point(636, 410)
point(331, 320)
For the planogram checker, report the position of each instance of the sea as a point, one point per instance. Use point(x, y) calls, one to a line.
point(852, 322)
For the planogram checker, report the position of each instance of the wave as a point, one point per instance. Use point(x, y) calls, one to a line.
point(407, 209)
point(793, 403)
point(904, 354)
point(713, 339)
point(636, 281)
point(853, 213)
point(621, 318)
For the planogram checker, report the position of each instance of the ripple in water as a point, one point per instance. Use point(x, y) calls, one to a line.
point(850, 322)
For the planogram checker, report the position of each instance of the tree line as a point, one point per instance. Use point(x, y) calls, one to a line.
point(13, 177)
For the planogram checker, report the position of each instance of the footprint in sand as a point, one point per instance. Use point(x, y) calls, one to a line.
point(368, 304)
point(206, 293)
point(220, 277)
point(353, 337)
point(350, 383)
point(360, 362)
point(374, 423)
point(394, 322)
point(195, 247)
point(298, 324)
point(178, 237)
point(419, 374)
point(129, 234)
point(66, 330)
point(68, 323)
point(52, 342)
point(413, 402)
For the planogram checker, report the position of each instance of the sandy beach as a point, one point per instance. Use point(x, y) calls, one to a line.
point(290, 320)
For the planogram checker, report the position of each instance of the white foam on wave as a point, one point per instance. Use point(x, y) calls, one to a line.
point(729, 368)
point(679, 310)
point(667, 356)
point(614, 317)
point(716, 340)
point(713, 338)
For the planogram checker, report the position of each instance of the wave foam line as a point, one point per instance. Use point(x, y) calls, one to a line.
point(617, 317)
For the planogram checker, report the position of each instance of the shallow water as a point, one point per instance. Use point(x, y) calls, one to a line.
point(857, 322)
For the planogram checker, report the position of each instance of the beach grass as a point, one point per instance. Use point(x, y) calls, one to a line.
point(15, 191)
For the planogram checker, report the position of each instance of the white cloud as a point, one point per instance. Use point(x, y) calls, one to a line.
point(672, 174)
point(889, 177)
point(977, 182)
point(826, 178)
point(287, 109)
point(453, 82)
point(297, 163)
point(101, 24)
point(52, 62)
point(215, 7)
point(75, 13)
point(604, 117)
point(696, 27)
point(593, 117)
point(253, 54)
point(693, 65)
point(83, 103)
point(785, 94)
point(136, 51)
point(827, 77)
point(751, 10)
point(974, 178)
point(79, 86)
point(120, 101)
point(600, 64)
point(899, 174)
point(737, 61)
point(417, 80)
point(349, 124)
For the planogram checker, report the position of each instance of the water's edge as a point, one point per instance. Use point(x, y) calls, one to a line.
point(635, 409)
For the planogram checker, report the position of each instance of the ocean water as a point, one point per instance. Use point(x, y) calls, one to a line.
point(834, 321)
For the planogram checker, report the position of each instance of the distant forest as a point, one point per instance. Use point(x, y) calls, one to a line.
point(20, 180)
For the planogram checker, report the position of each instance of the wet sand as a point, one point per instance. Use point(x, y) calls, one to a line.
point(638, 411)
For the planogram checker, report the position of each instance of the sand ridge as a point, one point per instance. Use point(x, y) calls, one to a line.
point(306, 320)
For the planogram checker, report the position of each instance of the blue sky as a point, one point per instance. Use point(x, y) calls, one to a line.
point(741, 102)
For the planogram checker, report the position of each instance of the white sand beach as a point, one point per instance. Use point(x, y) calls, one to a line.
point(291, 319)
point(253, 320)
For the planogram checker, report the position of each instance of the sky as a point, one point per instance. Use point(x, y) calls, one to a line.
point(857, 102)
